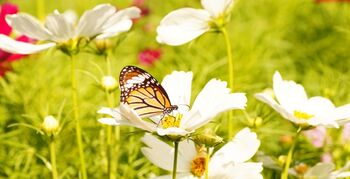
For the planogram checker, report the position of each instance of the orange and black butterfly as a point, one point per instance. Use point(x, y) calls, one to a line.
point(142, 92)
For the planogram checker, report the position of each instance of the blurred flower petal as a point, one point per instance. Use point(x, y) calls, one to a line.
point(119, 22)
point(182, 25)
point(29, 26)
point(288, 93)
point(243, 147)
point(13, 46)
point(159, 153)
point(212, 100)
point(178, 87)
point(60, 28)
point(92, 21)
point(216, 7)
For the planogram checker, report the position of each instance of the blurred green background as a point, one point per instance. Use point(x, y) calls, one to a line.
point(305, 41)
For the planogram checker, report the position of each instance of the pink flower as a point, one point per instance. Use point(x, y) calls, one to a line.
point(149, 56)
point(346, 133)
point(6, 9)
point(326, 158)
point(5, 57)
point(141, 5)
point(317, 136)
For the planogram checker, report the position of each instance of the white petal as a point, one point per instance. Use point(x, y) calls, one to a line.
point(28, 25)
point(92, 21)
point(212, 100)
point(289, 94)
point(70, 16)
point(59, 27)
point(342, 112)
point(115, 122)
point(161, 154)
point(240, 149)
point(10, 45)
point(342, 175)
point(216, 7)
point(320, 171)
point(182, 25)
point(178, 87)
point(187, 151)
point(114, 112)
point(172, 131)
point(247, 170)
point(117, 119)
point(133, 118)
point(322, 109)
point(266, 98)
point(119, 22)
point(186, 175)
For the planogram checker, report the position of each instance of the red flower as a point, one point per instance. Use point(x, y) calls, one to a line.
point(5, 57)
point(149, 56)
point(141, 4)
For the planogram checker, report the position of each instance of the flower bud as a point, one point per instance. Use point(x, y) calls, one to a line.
point(282, 160)
point(50, 124)
point(102, 45)
point(301, 169)
point(286, 140)
point(109, 83)
point(207, 138)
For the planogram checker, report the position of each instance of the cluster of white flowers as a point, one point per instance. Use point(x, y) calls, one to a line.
point(103, 21)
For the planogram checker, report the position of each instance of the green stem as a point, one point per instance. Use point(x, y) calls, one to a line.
point(290, 155)
point(176, 146)
point(207, 164)
point(76, 118)
point(230, 77)
point(110, 160)
point(40, 9)
point(53, 158)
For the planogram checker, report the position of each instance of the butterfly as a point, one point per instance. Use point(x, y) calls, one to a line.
point(142, 92)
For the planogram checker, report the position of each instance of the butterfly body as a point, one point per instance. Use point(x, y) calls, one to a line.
point(143, 93)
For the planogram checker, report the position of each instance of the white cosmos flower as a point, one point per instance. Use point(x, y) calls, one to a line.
point(103, 21)
point(293, 104)
point(214, 98)
point(185, 24)
point(229, 162)
point(326, 171)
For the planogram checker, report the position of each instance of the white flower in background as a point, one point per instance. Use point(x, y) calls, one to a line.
point(326, 171)
point(293, 104)
point(50, 124)
point(103, 21)
point(229, 162)
point(185, 24)
point(214, 98)
point(109, 83)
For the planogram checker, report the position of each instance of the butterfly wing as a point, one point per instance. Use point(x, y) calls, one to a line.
point(142, 92)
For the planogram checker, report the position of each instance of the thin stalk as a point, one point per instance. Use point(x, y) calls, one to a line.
point(290, 155)
point(207, 164)
point(76, 118)
point(176, 146)
point(40, 9)
point(52, 149)
point(111, 162)
point(230, 77)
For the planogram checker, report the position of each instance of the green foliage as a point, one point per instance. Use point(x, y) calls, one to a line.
point(307, 42)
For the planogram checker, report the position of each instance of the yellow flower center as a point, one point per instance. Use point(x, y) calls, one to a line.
point(302, 115)
point(198, 166)
point(171, 121)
